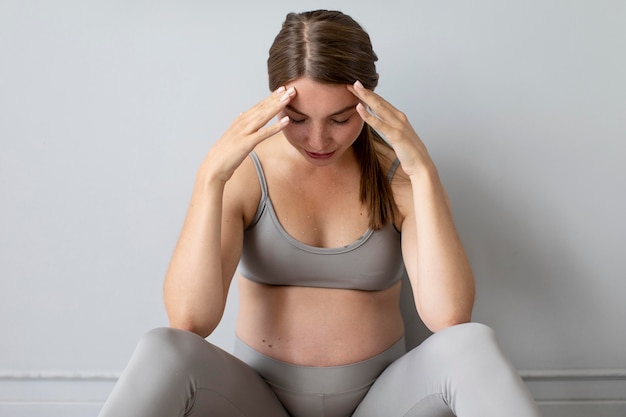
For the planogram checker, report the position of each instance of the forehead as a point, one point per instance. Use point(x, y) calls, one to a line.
point(318, 99)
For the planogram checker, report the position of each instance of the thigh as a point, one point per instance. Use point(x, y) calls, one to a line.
point(175, 373)
point(411, 386)
point(460, 370)
point(229, 387)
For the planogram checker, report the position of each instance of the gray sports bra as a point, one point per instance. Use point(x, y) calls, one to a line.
point(271, 256)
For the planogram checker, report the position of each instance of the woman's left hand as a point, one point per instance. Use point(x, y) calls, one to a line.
point(440, 274)
point(395, 127)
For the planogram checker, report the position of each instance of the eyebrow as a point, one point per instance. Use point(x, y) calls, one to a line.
point(345, 109)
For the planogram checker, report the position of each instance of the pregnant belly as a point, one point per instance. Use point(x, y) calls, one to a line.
point(318, 326)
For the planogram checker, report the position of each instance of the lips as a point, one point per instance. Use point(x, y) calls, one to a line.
point(315, 155)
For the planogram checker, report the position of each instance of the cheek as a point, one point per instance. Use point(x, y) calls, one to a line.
point(294, 133)
point(352, 131)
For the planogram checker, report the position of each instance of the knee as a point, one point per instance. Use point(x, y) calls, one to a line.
point(469, 334)
point(168, 336)
point(465, 342)
point(169, 348)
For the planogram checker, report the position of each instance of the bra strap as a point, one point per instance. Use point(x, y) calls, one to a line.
point(263, 183)
point(392, 169)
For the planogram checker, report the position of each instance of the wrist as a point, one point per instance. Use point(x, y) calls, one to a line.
point(424, 173)
point(208, 176)
point(209, 184)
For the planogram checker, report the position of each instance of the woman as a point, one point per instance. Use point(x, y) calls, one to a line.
point(319, 217)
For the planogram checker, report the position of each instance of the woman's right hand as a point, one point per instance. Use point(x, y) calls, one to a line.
point(244, 133)
point(208, 250)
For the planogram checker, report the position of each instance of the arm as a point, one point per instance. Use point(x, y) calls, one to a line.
point(209, 247)
point(436, 262)
point(438, 268)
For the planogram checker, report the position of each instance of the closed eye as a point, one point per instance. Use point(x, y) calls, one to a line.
point(300, 121)
point(341, 122)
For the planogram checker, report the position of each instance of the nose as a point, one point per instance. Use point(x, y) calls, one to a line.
point(318, 137)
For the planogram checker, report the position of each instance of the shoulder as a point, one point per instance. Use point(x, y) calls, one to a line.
point(242, 193)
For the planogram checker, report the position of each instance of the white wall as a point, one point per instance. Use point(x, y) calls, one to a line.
point(107, 108)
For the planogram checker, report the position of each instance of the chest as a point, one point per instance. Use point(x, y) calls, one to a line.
point(324, 212)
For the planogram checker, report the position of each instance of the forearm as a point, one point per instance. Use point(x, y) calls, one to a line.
point(444, 281)
point(206, 256)
point(434, 257)
point(194, 289)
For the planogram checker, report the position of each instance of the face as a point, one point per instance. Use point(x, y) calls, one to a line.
point(323, 122)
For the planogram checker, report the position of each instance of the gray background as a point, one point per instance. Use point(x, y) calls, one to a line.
point(108, 107)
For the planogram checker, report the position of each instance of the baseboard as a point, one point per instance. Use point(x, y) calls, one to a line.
point(582, 408)
point(559, 393)
point(54, 394)
point(578, 392)
point(49, 409)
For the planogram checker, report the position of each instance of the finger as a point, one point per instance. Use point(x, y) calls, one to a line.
point(381, 107)
point(369, 118)
point(261, 113)
point(390, 131)
point(269, 131)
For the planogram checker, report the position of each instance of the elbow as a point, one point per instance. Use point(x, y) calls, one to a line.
point(201, 319)
point(457, 311)
point(201, 329)
point(200, 323)
point(440, 318)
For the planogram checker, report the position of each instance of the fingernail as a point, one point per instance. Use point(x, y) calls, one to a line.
point(358, 84)
point(287, 94)
point(280, 89)
point(284, 121)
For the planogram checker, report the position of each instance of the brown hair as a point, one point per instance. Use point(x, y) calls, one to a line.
point(331, 47)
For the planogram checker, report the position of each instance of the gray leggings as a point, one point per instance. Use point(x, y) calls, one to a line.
point(457, 371)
